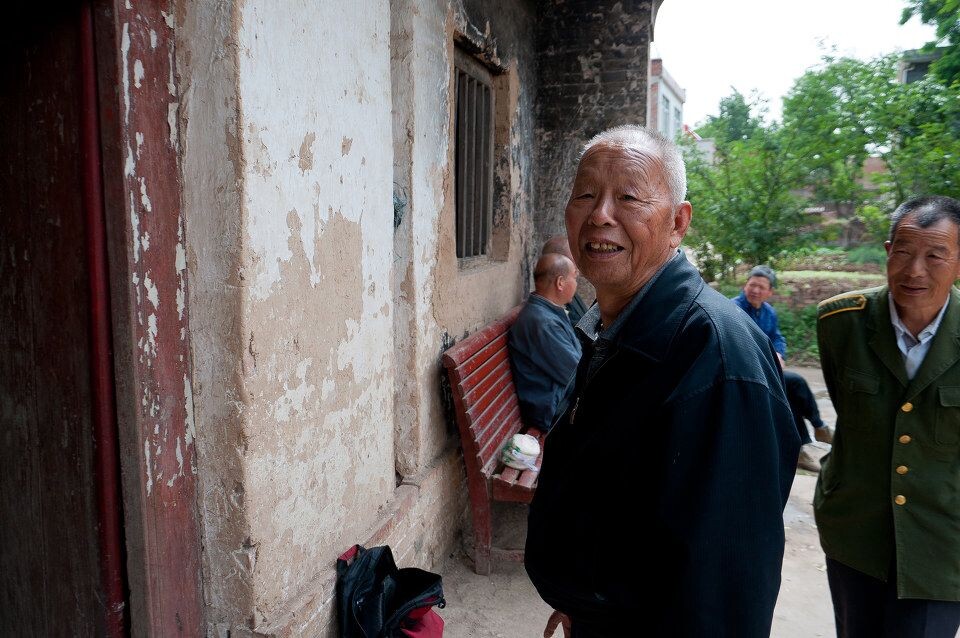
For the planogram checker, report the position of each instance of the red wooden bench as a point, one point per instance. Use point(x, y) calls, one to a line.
point(488, 414)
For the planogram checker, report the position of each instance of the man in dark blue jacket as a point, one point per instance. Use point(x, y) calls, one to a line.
point(753, 300)
point(544, 351)
point(659, 507)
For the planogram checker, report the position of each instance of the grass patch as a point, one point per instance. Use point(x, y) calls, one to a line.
point(831, 275)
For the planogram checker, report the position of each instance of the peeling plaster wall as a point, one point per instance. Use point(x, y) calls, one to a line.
point(317, 161)
point(315, 95)
point(443, 299)
point(212, 181)
point(288, 172)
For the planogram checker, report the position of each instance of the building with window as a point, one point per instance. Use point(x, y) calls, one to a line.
point(237, 237)
point(666, 98)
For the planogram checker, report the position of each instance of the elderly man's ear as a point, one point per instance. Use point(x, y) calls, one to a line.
point(681, 222)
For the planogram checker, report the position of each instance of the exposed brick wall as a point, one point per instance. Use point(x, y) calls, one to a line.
point(593, 59)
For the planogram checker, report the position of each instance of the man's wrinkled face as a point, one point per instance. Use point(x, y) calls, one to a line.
point(922, 264)
point(757, 290)
point(621, 222)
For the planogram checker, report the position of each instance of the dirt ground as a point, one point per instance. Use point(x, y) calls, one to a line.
point(505, 604)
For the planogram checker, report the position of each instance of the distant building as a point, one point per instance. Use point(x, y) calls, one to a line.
point(666, 98)
point(915, 64)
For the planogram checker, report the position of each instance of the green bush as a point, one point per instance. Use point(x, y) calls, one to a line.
point(799, 328)
point(867, 254)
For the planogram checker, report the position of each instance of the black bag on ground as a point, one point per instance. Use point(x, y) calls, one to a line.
point(375, 599)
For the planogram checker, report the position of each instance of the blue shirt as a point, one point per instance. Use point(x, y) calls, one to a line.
point(766, 318)
point(544, 353)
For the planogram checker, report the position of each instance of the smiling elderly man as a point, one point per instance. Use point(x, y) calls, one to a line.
point(888, 500)
point(680, 413)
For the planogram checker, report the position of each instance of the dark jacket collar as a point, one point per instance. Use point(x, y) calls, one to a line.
point(651, 326)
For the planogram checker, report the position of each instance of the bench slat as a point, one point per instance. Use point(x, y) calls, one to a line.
point(465, 349)
point(473, 365)
point(498, 376)
point(503, 431)
point(487, 407)
point(487, 425)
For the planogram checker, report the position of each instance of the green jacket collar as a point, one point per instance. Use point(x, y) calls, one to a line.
point(944, 351)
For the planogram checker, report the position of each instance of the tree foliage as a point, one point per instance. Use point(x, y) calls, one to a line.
point(845, 110)
point(945, 16)
point(744, 209)
point(748, 200)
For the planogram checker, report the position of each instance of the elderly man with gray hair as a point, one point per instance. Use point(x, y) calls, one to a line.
point(678, 408)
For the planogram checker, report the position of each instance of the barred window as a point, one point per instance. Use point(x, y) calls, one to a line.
point(473, 156)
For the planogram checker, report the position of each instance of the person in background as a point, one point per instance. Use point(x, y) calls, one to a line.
point(887, 503)
point(544, 351)
point(753, 300)
point(558, 244)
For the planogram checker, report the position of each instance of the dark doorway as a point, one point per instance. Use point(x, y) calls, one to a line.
point(61, 563)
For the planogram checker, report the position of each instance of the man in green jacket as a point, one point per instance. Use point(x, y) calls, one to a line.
point(887, 501)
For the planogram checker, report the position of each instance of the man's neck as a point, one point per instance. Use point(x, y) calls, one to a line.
point(552, 298)
point(916, 320)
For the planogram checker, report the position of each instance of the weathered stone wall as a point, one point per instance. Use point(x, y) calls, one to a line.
point(318, 194)
point(440, 298)
point(287, 180)
point(593, 57)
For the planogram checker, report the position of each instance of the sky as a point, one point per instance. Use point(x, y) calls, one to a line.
point(710, 46)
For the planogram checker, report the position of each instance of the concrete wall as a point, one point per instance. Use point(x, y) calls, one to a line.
point(438, 298)
point(287, 180)
point(318, 196)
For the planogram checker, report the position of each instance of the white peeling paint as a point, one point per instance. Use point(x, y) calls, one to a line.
point(125, 55)
point(179, 454)
point(172, 122)
point(150, 347)
point(168, 18)
point(145, 241)
point(130, 166)
point(139, 137)
point(294, 398)
point(152, 293)
point(171, 86)
point(181, 267)
point(191, 431)
point(153, 39)
point(143, 195)
point(137, 73)
point(135, 227)
point(127, 4)
point(146, 454)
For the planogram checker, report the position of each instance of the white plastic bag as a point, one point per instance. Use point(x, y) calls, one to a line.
point(521, 452)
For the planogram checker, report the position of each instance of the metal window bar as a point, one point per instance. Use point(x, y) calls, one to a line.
point(474, 163)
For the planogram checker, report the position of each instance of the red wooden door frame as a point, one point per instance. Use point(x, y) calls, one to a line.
point(101, 360)
point(134, 55)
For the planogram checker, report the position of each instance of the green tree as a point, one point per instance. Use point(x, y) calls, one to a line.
point(736, 120)
point(844, 110)
point(744, 209)
point(945, 16)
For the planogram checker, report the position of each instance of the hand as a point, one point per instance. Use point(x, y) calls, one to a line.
point(782, 363)
point(557, 618)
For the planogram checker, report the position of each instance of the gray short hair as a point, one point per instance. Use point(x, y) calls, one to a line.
point(928, 210)
point(645, 140)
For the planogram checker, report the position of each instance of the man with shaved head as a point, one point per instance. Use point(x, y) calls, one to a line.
point(659, 506)
point(543, 348)
point(575, 307)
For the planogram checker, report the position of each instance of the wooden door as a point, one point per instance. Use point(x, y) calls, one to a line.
point(60, 563)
